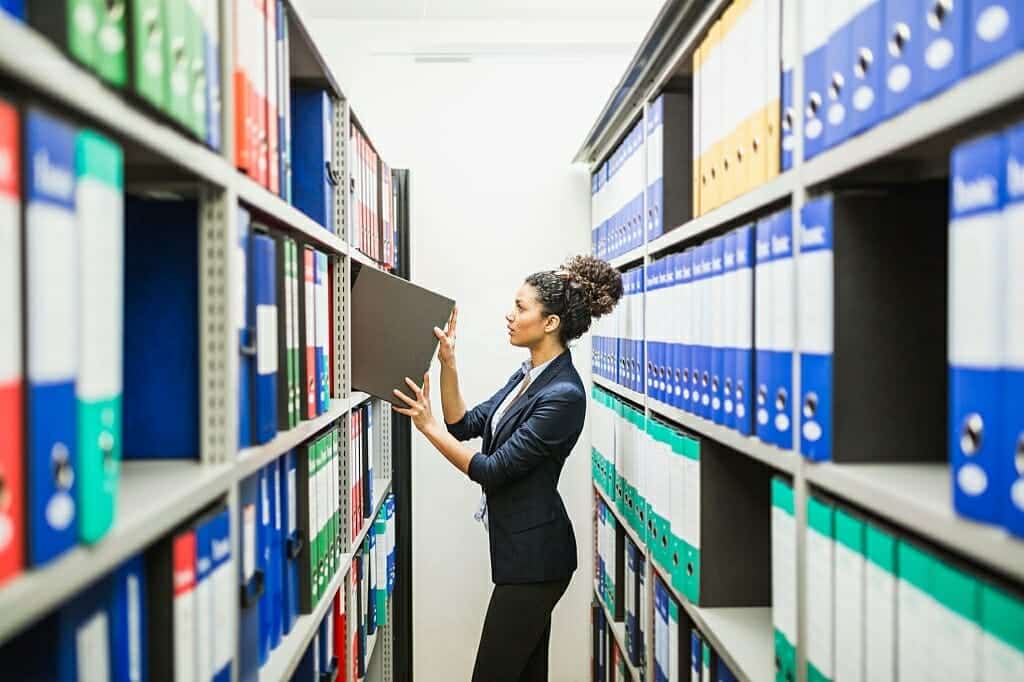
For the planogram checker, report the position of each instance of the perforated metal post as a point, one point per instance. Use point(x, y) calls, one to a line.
point(386, 645)
point(219, 365)
point(385, 439)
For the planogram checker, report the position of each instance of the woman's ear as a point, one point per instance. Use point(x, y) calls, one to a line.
point(552, 324)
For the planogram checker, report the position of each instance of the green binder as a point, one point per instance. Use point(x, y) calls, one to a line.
point(195, 47)
point(880, 603)
point(149, 52)
point(291, 274)
point(111, 43)
point(1002, 621)
point(820, 551)
point(690, 570)
point(100, 200)
point(784, 579)
point(176, 62)
point(381, 529)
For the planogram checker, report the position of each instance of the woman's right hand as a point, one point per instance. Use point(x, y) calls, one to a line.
point(446, 350)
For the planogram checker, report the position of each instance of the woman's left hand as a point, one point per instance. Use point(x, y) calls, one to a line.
point(419, 407)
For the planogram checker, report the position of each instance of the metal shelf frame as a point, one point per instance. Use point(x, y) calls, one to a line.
point(157, 496)
point(618, 629)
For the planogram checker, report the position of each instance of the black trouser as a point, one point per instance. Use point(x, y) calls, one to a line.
point(514, 642)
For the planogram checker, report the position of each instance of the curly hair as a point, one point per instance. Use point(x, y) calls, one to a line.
point(583, 289)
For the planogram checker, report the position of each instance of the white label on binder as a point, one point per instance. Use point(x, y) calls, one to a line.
point(913, 614)
point(134, 593)
point(92, 649)
point(784, 573)
point(849, 616)
point(955, 645)
point(691, 498)
point(51, 269)
point(266, 339)
point(225, 605)
point(249, 541)
point(10, 286)
point(291, 501)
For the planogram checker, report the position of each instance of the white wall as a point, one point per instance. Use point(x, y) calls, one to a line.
point(494, 198)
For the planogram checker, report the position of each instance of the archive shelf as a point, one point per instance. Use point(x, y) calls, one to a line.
point(268, 203)
point(744, 637)
point(381, 487)
point(783, 460)
point(251, 460)
point(620, 521)
point(918, 496)
point(286, 657)
point(768, 195)
point(634, 257)
point(155, 497)
point(621, 391)
point(987, 91)
point(618, 629)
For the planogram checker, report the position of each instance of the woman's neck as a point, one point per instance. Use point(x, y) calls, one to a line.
point(543, 352)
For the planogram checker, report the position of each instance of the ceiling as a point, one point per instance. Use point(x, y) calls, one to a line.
point(526, 10)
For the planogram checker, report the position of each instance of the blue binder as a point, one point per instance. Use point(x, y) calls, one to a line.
point(51, 409)
point(314, 174)
point(685, 360)
point(815, 39)
point(839, 65)
point(998, 31)
point(696, 654)
point(128, 622)
point(85, 624)
point(283, 125)
point(246, 332)
point(788, 104)
point(816, 329)
point(696, 329)
point(867, 89)
point(717, 284)
point(275, 571)
point(264, 305)
point(978, 178)
point(161, 332)
point(656, 190)
point(1013, 362)
point(14, 8)
point(661, 632)
point(675, 347)
point(763, 379)
point(251, 580)
point(292, 543)
point(265, 607)
point(731, 325)
point(903, 30)
point(944, 50)
point(743, 380)
point(204, 616)
point(783, 310)
point(372, 580)
point(392, 557)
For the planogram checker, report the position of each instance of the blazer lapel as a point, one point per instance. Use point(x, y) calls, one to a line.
point(519, 405)
point(509, 387)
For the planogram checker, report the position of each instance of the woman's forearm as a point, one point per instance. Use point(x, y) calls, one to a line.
point(453, 407)
point(454, 451)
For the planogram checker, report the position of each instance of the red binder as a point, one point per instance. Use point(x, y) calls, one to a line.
point(243, 117)
point(259, 90)
point(12, 452)
point(273, 174)
point(339, 634)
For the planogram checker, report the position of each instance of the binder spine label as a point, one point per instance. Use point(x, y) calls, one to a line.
point(783, 572)
point(820, 590)
point(744, 330)
point(815, 39)
point(815, 328)
point(717, 329)
point(763, 329)
point(904, 36)
point(946, 37)
point(880, 607)
point(790, 56)
point(868, 46)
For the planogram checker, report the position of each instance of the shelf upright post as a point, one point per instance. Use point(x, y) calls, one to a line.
point(218, 381)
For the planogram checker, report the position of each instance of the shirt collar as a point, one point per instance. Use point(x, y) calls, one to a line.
point(535, 372)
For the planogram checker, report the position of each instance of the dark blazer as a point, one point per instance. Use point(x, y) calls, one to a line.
point(531, 536)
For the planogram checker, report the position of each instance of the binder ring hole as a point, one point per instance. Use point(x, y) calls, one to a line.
point(686, 376)
point(900, 38)
point(813, 105)
point(689, 569)
point(1018, 458)
point(705, 379)
point(755, 144)
point(115, 9)
point(714, 384)
point(739, 390)
point(937, 16)
point(972, 434)
point(787, 120)
point(675, 558)
point(811, 405)
point(864, 60)
point(836, 87)
point(664, 541)
point(778, 664)
point(728, 387)
point(781, 398)
point(762, 395)
point(63, 474)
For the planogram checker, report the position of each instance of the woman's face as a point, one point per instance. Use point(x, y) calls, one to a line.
point(527, 323)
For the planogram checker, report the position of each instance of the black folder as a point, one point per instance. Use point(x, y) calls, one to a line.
point(392, 331)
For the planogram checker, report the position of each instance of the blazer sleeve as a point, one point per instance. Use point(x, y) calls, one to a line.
point(555, 420)
point(472, 423)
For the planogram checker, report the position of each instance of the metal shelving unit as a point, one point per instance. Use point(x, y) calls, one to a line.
point(157, 496)
point(912, 145)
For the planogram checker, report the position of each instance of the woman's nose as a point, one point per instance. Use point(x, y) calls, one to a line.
point(509, 317)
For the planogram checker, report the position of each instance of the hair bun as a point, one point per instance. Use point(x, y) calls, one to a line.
point(600, 282)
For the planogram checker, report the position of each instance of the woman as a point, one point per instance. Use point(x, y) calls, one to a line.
point(529, 427)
